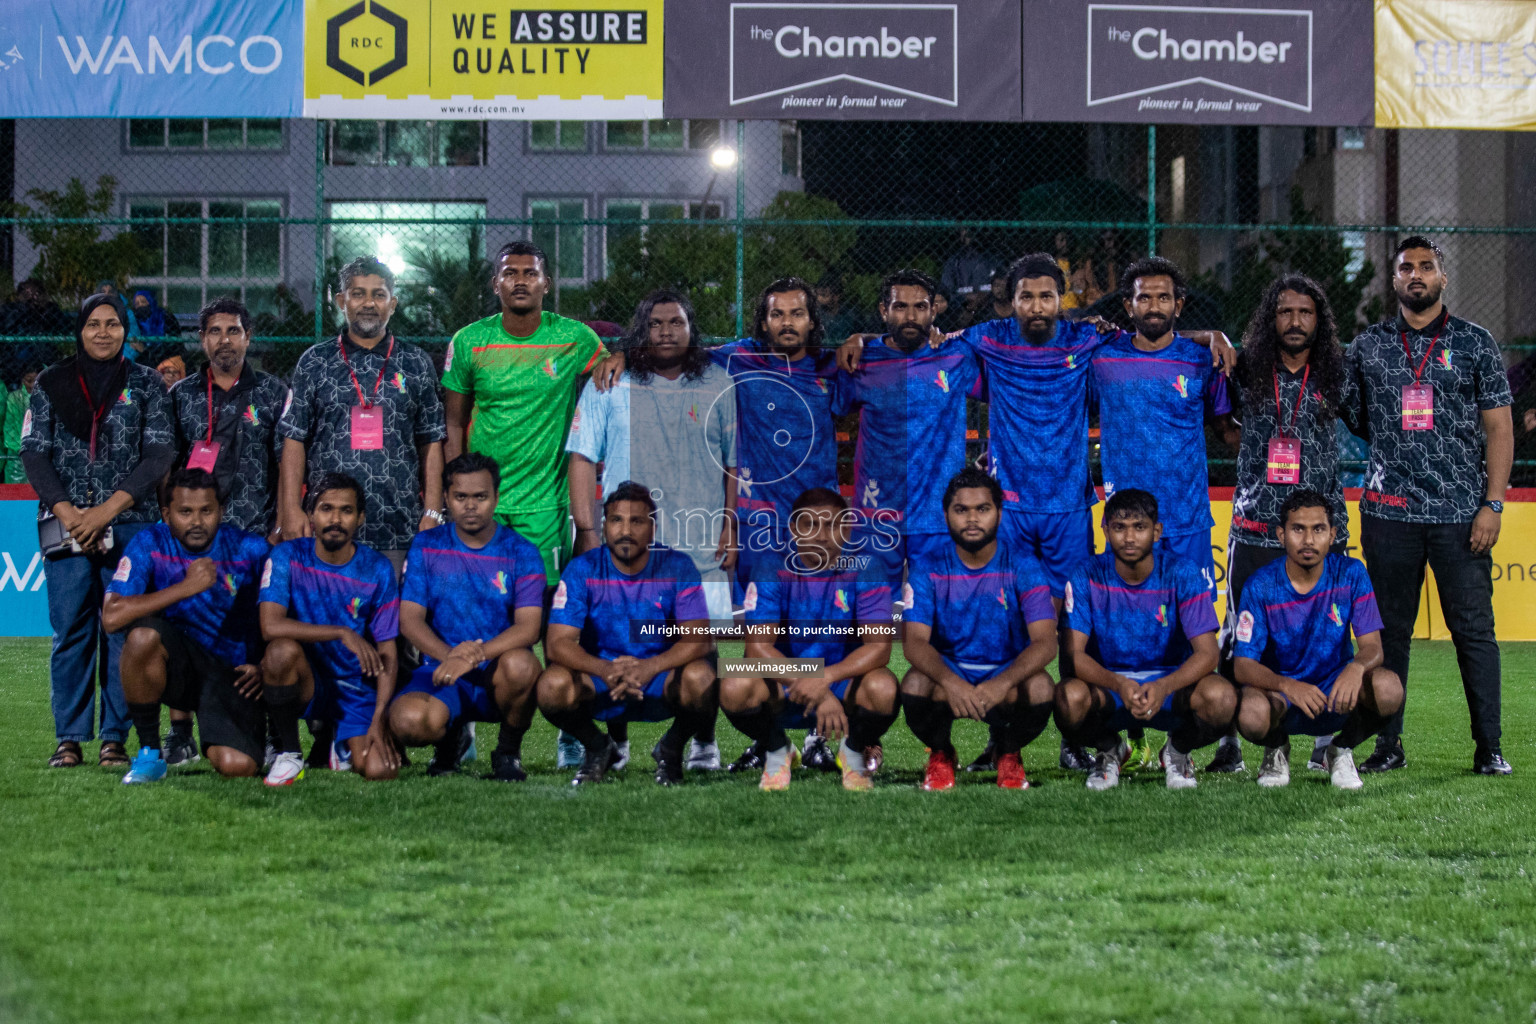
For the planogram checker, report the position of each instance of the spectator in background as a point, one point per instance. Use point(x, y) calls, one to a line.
point(967, 271)
point(172, 370)
point(1002, 302)
point(15, 415)
point(946, 314)
point(154, 320)
point(839, 319)
point(30, 313)
point(96, 443)
point(107, 287)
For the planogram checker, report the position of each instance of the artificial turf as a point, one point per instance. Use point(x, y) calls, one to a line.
point(456, 899)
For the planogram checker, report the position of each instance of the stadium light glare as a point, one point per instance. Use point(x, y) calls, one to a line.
point(723, 157)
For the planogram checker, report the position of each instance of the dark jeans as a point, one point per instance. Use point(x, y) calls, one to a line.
point(76, 587)
point(1395, 554)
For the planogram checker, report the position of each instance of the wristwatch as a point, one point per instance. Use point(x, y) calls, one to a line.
point(436, 516)
point(1497, 506)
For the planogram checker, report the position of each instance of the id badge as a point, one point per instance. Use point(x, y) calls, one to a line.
point(367, 429)
point(1418, 407)
point(204, 455)
point(1284, 461)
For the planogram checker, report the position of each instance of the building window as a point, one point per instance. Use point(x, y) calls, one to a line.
point(188, 264)
point(654, 211)
point(405, 143)
point(1354, 243)
point(564, 244)
point(789, 148)
point(204, 133)
point(1351, 138)
point(406, 247)
point(670, 134)
point(558, 136)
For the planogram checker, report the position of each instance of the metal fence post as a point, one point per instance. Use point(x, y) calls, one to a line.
point(741, 230)
point(1151, 189)
point(319, 230)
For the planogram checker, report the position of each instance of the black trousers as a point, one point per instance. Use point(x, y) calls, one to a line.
point(1395, 555)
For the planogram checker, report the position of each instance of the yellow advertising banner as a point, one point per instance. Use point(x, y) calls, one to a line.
point(1514, 571)
point(1456, 64)
point(482, 60)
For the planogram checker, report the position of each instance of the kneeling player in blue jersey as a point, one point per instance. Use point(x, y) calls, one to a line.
point(472, 601)
point(628, 638)
point(822, 603)
point(1299, 671)
point(1143, 633)
point(330, 611)
point(185, 590)
point(979, 632)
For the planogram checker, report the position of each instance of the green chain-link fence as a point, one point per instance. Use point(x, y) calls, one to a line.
point(187, 210)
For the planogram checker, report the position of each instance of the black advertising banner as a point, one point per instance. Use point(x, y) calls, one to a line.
point(1300, 63)
point(888, 61)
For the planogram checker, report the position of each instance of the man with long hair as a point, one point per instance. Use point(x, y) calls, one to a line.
point(1290, 387)
point(669, 421)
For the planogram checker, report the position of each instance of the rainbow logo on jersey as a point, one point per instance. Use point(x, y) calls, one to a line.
point(1002, 598)
point(354, 606)
point(821, 382)
point(499, 581)
point(1181, 385)
point(125, 398)
point(840, 600)
point(251, 416)
point(1162, 615)
point(1444, 358)
point(229, 582)
point(942, 380)
point(1334, 616)
point(552, 368)
point(1071, 362)
point(693, 412)
point(399, 382)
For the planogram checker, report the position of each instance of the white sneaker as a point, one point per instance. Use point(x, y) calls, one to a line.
point(623, 760)
point(1341, 768)
point(341, 757)
point(1106, 768)
point(287, 769)
point(1178, 769)
point(1275, 770)
point(702, 757)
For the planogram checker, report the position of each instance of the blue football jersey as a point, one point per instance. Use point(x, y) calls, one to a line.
point(1306, 636)
point(980, 616)
point(613, 609)
point(1152, 412)
point(223, 618)
point(361, 596)
point(1139, 627)
point(1037, 413)
point(825, 609)
point(911, 430)
point(472, 593)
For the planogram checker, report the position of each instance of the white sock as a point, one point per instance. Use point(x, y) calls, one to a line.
point(774, 760)
point(1322, 743)
point(853, 761)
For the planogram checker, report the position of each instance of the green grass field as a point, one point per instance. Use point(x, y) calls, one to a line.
point(441, 900)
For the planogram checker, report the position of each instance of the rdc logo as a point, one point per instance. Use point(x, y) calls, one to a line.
point(366, 33)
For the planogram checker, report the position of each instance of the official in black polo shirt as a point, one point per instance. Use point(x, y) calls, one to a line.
point(1436, 403)
point(367, 405)
point(226, 420)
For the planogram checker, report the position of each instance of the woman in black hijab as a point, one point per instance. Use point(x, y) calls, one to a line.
point(95, 443)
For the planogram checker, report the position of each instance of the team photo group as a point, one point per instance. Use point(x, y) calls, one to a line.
point(546, 525)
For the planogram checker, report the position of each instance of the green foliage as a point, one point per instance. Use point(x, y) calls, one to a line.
point(72, 258)
point(1321, 255)
point(450, 292)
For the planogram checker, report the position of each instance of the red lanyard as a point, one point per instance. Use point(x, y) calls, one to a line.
point(367, 404)
point(1280, 413)
point(97, 414)
point(1407, 352)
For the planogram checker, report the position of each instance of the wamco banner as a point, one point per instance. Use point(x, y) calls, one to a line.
point(482, 59)
point(1298, 63)
point(1468, 64)
point(148, 58)
point(889, 61)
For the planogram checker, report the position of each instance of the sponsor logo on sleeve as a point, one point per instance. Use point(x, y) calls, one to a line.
point(1068, 603)
point(124, 567)
point(749, 602)
point(1245, 627)
point(26, 424)
point(266, 573)
point(560, 596)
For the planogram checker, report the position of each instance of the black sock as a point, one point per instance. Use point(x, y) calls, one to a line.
point(618, 730)
point(1135, 732)
point(684, 724)
point(997, 735)
point(146, 722)
point(284, 708)
point(1029, 721)
point(181, 728)
point(577, 721)
point(1193, 734)
point(510, 742)
point(929, 721)
point(704, 731)
point(1000, 726)
point(865, 727)
point(1359, 727)
point(761, 726)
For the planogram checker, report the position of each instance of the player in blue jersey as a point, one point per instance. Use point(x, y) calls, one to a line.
point(911, 399)
point(828, 602)
point(330, 611)
point(1293, 655)
point(1155, 390)
point(472, 601)
point(979, 633)
point(185, 590)
point(1143, 632)
point(629, 638)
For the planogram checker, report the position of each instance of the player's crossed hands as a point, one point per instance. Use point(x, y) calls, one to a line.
point(367, 655)
point(1311, 700)
point(460, 660)
point(626, 679)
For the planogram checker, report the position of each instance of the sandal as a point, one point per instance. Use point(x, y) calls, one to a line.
point(113, 755)
point(65, 755)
